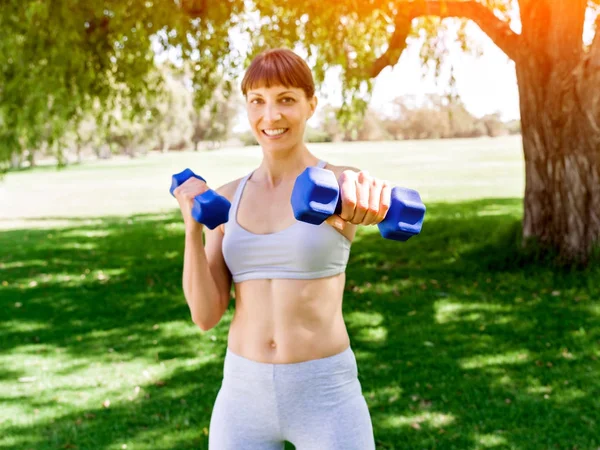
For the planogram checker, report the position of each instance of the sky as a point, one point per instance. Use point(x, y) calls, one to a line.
point(486, 84)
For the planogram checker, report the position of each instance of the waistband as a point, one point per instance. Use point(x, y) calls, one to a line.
point(343, 363)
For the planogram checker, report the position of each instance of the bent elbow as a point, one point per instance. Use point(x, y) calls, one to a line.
point(202, 323)
point(210, 320)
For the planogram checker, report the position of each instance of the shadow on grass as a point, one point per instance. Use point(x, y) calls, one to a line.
point(460, 344)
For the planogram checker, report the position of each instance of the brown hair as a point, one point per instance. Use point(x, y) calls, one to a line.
point(279, 66)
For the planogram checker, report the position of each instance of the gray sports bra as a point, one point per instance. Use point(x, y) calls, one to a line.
point(300, 251)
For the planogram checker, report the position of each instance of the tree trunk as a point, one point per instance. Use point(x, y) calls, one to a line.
point(561, 144)
point(31, 158)
point(15, 161)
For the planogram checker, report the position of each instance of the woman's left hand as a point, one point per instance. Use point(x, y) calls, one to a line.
point(365, 199)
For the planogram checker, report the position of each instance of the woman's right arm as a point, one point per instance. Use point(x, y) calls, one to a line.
point(206, 279)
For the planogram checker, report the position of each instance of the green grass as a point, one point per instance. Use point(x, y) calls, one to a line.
point(461, 344)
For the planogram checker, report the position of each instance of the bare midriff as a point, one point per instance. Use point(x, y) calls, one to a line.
point(281, 321)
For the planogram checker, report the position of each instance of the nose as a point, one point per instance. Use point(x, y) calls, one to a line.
point(272, 113)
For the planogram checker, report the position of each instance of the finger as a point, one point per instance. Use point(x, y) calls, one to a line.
point(336, 222)
point(372, 216)
point(348, 194)
point(363, 189)
point(192, 187)
point(385, 201)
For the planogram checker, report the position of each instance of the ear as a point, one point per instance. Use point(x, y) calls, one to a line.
point(312, 103)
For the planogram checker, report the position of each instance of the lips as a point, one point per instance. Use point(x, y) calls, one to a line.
point(274, 132)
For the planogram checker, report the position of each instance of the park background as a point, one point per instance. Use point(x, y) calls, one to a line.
point(465, 337)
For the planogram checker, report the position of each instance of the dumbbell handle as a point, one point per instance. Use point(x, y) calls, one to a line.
point(411, 218)
point(209, 208)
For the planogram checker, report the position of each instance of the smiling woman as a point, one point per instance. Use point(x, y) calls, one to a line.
point(280, 93)
point(290, 373)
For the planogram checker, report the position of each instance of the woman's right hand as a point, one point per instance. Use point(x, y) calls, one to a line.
point(185, 194)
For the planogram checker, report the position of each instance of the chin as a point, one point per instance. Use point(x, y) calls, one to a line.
point(278, 145)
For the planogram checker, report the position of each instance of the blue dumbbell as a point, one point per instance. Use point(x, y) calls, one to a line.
point(210, 208)
point(316, 196)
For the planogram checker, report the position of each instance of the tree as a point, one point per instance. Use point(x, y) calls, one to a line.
point(558, 80)
point(62, 60)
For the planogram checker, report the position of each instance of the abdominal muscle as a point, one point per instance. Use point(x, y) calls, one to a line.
point(283, 321)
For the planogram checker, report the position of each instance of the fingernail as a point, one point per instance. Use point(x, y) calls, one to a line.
point(339, 223)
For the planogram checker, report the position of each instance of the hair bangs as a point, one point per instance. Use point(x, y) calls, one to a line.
point(279, 67)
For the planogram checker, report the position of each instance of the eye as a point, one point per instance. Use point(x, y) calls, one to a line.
point(288, 100)
point(256, 101)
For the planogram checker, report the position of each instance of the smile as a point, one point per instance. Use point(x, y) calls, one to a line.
point(275, 132)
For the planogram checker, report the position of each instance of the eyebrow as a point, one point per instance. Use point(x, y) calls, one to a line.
point(281, 93)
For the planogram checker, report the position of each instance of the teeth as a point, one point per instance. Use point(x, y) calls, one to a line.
point(275, 132)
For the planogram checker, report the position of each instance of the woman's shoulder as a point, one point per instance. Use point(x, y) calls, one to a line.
point(228, 189)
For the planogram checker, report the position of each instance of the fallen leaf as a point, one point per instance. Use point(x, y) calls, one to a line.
point(415, 425)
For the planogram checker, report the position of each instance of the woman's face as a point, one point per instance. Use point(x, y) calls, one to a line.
point(278, 116)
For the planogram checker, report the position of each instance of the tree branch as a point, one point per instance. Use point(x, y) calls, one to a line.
point(498, 30)
point(396, 46)
point(194, 8)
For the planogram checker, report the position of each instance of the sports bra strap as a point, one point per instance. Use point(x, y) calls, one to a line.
point(240, 189)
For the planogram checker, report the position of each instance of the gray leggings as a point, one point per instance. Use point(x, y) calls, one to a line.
point(315, 405)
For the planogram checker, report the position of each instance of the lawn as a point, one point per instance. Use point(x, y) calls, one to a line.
point(461, 344)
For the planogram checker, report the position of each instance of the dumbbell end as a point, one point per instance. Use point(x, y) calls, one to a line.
point(211, 209)
point(315, 195)
point(405, 216)
point(181, 177)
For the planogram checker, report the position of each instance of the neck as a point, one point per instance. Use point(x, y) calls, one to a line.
point(279, 167)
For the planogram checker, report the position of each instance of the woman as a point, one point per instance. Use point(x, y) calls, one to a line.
point(289, 372)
